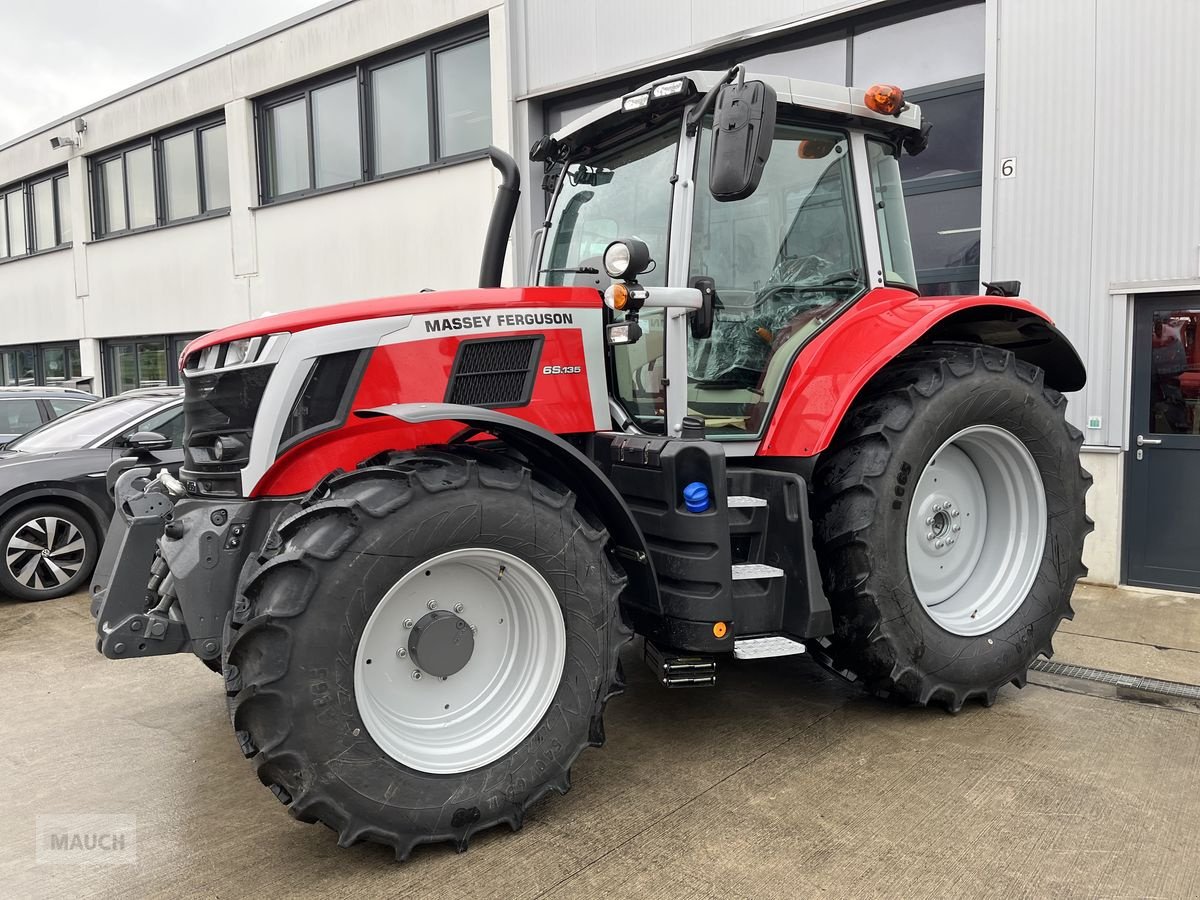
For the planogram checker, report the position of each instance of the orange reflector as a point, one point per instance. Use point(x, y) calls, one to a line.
point(886, 99)
point(620, 296)
point(813, 149)
point(719, 629)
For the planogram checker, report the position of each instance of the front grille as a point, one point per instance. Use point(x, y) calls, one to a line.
point(494, 371)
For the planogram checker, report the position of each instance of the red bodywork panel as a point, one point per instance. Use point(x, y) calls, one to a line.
point(833, 367)
point(417, 369)
point(501, 299)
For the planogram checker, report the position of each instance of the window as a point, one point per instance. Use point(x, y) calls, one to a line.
point(895, 246)
point(419, 106)
point(60, 406)
point(464, 104)
point(401, 132)
point(19, 416)
point(40, 364)
point(783, 261)
point(167, 422)
point(171, 177)
point(142, 362)
point(18, 365)
point(14, 213)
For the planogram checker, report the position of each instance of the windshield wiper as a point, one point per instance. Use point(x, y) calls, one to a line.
point(578, 270)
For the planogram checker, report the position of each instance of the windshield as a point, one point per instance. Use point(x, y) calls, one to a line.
point(894, 241)
point(78, 429)
point(621, 194)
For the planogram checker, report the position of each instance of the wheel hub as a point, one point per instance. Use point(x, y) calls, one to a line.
point(441, 644)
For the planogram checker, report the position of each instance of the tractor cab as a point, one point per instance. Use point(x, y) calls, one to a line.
point(727, 221)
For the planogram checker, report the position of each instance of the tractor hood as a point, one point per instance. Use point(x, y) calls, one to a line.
point(452, 303)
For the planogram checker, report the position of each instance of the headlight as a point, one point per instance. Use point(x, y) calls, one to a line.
point(616, 259)
point(626, 258)
point(236, 352)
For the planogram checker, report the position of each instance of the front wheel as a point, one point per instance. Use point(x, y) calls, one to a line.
point(950, 526)
point(427, 649)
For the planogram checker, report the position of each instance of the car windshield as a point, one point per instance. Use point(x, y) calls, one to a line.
point(618, 194)
point(78, 429)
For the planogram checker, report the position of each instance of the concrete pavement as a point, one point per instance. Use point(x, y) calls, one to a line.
point(780, 783)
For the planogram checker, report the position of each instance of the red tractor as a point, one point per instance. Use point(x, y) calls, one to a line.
point(415, 533)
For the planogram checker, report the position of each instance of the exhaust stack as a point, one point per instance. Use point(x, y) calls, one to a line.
point(503, 212)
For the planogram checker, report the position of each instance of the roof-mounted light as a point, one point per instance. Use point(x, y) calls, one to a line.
point(635, 102)
point(885, 99)
point(668, 89)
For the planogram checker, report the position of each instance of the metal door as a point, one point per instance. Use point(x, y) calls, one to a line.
point(1162, 501)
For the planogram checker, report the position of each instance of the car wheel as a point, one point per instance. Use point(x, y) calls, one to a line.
point(49, 551)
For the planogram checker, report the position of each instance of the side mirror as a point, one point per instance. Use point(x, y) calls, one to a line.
point(743, 128)
point(145, 442)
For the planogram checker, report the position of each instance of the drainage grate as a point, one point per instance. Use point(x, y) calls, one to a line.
point(1119, 679)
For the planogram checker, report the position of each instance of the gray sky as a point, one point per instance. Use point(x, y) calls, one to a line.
point(60, 55)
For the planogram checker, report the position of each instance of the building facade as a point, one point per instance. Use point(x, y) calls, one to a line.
point(339, 156)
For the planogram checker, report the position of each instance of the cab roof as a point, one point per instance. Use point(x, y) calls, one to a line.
point(816, 95)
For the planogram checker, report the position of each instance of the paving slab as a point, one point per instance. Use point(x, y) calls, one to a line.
point(781, 782)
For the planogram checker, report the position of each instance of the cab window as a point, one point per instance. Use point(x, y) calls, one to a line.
point(782, 261)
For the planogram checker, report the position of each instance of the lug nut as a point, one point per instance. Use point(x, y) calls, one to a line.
point(408, 623)
point(930, 536)
point(940, 544)
point(956, 527)
point(402, 653)
point(458, 607)
point(416, 675)
point(474, 629)
point(432, 604)
point(949, 540)
point(929, 521)
point(955, 514)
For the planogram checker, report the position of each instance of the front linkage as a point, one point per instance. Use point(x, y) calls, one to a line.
point(193, 550)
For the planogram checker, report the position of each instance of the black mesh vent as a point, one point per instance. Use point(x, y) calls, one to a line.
point(494, 371)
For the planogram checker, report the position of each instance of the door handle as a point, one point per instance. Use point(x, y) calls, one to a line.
point(1145, 441)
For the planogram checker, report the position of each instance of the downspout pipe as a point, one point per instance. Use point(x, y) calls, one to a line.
point(504, 210)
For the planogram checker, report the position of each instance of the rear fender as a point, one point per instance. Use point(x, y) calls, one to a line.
point(549, 453)
point(830, 371)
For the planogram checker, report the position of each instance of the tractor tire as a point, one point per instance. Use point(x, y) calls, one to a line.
point(950, 523)
point(348, 682)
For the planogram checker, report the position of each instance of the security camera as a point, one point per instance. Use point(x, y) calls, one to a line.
point(59, 142)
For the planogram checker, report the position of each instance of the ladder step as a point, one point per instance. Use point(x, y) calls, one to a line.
point(746, 571)
point(743, 502)
point(765, 647)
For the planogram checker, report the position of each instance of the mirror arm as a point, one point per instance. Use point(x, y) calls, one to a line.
point(706, 103)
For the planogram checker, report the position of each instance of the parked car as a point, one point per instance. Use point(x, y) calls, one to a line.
point(23, 409)
point(54, 505)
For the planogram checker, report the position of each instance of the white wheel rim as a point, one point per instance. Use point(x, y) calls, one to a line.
point(976, 530)
point(45, 553)
point(447, 725)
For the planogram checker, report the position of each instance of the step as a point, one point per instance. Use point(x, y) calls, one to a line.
point(766, 647)
point(747, 571)
point(746, 502)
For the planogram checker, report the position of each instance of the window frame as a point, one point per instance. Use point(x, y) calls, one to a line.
point(173, 343)
point(39, 362)
point(25, 186)
point(158, 180)
point(362, 72)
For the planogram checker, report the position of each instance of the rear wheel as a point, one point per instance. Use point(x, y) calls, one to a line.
point(427, 649)
point(950, 526)
point(49, 551)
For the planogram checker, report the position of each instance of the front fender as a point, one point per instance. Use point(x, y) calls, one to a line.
point(831, 369)
point(549, 453)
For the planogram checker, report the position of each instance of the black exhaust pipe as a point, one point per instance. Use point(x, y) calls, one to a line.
point(504, 210)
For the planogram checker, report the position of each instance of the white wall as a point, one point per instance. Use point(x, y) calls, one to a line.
point(388, 237)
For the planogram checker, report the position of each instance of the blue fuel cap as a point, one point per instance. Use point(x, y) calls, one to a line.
point(695, 497)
